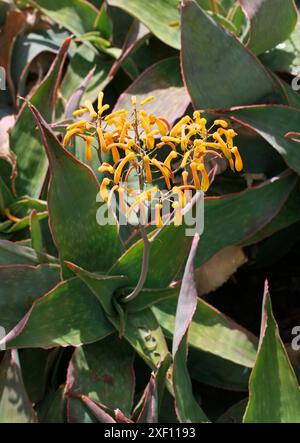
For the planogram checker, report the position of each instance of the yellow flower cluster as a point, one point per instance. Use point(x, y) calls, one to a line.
point(145, 144)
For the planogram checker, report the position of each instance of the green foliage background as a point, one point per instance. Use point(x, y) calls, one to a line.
point(74, 352)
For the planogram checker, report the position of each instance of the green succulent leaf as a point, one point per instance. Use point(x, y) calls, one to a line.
point(247, 212)
point(32, 163)
point(68, 315)
point(77, 16)
point(187, 408)
point(164, 263)
point(271, 22)
point(160, 16)
point(20, 286)
point(103, 371)
point(162, 80)
point(12, 253)
point(73, 209)
point(274, 124)
point(273, 387)
point(230, 75)
point(211, 331)
point(15, 406)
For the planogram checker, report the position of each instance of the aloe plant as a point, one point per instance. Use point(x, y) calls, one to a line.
point(132, 323)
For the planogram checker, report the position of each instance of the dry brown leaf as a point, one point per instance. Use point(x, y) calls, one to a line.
point(216, 271)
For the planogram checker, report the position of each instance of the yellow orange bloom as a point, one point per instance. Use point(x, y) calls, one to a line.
point(129, 157)
point(88, 104)
point(103, 189)
point(238, 159)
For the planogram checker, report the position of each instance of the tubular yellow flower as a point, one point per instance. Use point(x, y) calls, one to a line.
point(205, 178)
point(124, 131)
point(197, 117)
point(146, 161)
point(102, 140)
point(167, 139)
point(103, 189)
point(195, 175)
point(100, 100)
point(80, 111)
point(181, 196)
point(185, 159)
point(230, 134)
point(185, 176)
point(158, 219)
point(170, 157)
point(222, 123)
point(115, 113)
point(165, 173)
point(88, 148)
point(145, 121)
point(129, 157)
point(106, 167)
point(103, 109)
point(147, 100)
point(115, 154)
point(178, 214)
point(177, 128)
point(238, 159)
point(71, 133)
point(88, 104)
point(150, 141)
point(162, 127)
point(79, 124)
point(133, 100)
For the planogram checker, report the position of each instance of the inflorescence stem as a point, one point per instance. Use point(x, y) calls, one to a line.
point(144, 269)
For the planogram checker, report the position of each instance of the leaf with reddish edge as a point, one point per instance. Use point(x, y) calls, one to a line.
point(97, 410)
point(145, 335)
point(68, 315)
point(187, 408)
point(164, 262)
point(274, 395)
point(230, 75)
point(85, 59)
point(271, 22)
point(161, 17)
point(210, 331)
point(77, 412)
point(103, 371)
point(121, 418)
point(56, 411)
point(273, 123)
point(288, 216)
point(163, 81)
point(15, 406)
point(136, 35)
point(243, 214)
point(20, 286)
point(14, 25)
point(147, 410)
point(32, 163)
point(102, 286)
point(141, 329)
point(74, 100)
point(73, 209)
point(78, 16)
point(12, 253)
